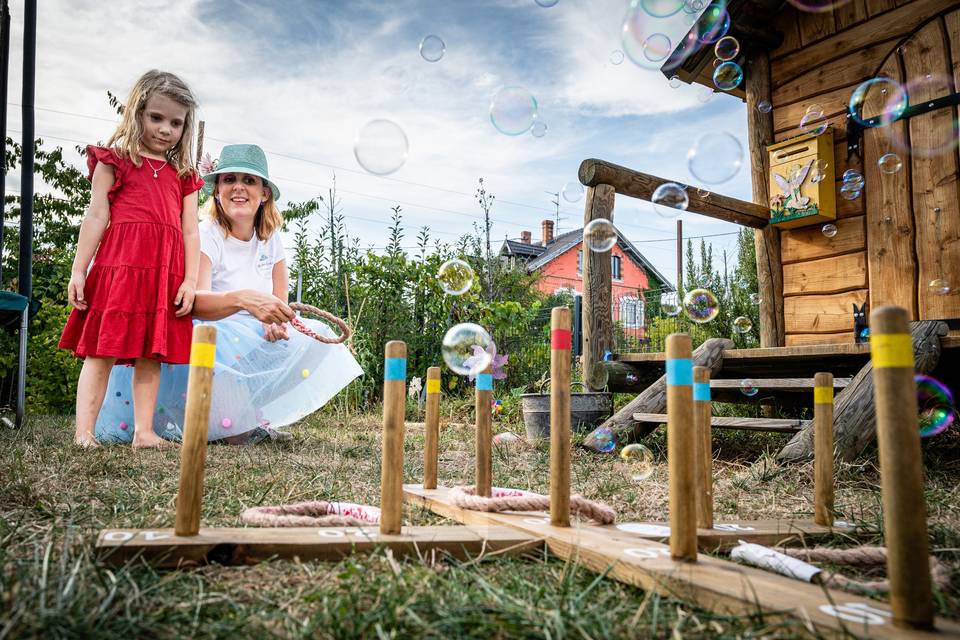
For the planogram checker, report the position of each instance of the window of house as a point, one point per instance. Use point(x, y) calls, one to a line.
point(631, 312)
point(580, 261)
point(615, 267)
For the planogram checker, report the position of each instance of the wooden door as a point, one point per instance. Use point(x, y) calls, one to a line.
point(913, 215)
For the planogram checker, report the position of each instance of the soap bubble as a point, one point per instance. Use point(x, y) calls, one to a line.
point(547, 3)
point(432, 48)
point(703, 194)
point(935, 403)
point(715, 158)
point(815, 108)
point(661, 8)
point(923, 89)
point(616, 57)
point(939, 287)
point(539, 129)
point(704, 94)
point(604, 440)
point(381, 147)
point(599, 235)
point(713, 24)
point(877, 102)
point(669, 199)
point(754, 298)
point(599, 375)
point(818, 171)
point(853, 177)
point(727, 76)
point(656, 47)
point(455, 277)
point(726, 48)
point(742, 324)
point(507, 437)
point(694, 6)
point(686, 47)
point(642, 43)
point(638, 461)
point(670, 303)
point(850, 191)
point(813, 123)
point(817, 6)
point(764, 106)
point(572, 191)
point(749, 387)
point(396, 80)
point(632, 378)
point(701, 305)
point(675, 82)
point(513, 110)
point(458, 347)
point(829, 230)
point(890, 163)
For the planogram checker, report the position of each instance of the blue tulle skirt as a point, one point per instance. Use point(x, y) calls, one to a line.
point(255, 383)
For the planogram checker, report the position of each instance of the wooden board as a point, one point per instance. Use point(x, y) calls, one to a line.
point(808, 243)
point(783, 385)
point(807, 352)
point(780, 425)
point(725, 534)
point(821, 313)
point(825, 275)
point(797, 339)
point(717, 585)
point(163, 548)
point(850, 14)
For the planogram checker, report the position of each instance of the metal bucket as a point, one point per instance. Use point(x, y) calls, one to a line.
point(587, 411)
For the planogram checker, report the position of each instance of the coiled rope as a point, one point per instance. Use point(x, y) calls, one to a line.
point(296, 323)
point(318, 513)
point(467, 498)
point(861, 557)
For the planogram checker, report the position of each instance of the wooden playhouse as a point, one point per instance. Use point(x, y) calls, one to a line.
point(892, 243)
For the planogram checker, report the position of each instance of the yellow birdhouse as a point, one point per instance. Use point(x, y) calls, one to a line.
point(802, 181)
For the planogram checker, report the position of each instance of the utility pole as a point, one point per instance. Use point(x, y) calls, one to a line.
point(556, 208)
point(679, 255)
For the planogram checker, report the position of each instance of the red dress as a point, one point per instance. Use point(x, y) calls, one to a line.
point(137, 270)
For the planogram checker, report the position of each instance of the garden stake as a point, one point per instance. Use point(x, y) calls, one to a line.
point(681, 448)
point(560, 417)
point(391, 468)
point(431, 429)
point(823, 511)
point(704, 454)
point(484, 468)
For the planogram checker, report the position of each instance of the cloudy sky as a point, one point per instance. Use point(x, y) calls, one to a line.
point(301, 77)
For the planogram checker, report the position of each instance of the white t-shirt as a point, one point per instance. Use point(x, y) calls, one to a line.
point(239, 264)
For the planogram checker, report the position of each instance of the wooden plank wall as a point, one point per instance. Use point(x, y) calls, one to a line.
point(823, 58)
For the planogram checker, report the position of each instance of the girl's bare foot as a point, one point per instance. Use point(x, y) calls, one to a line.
point(152, 441)
point(86, 440)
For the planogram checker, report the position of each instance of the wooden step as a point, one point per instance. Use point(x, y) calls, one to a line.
point(780, 385)
point(783, 425)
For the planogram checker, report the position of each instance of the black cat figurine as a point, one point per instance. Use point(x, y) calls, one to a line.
point(861, 331)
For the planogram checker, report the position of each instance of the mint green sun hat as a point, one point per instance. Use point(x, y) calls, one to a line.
point(241, 158)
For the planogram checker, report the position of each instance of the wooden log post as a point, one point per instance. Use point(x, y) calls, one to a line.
point(704, 449)
point(654, 398)
point(391, 466)
point(560, 341)
point(854, 410)
point(681, 448)
point(767, 238)
point(901, 469)
point(481, 407)
point(193, 453)
point(200, 126)
point(823, 511)
point(597, 321)
point(431, 433)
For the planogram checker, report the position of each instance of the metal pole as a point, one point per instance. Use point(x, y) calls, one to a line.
point(26, 166)
point(4, 69)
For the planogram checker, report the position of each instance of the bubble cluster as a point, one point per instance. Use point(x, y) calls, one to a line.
point(749, 388)
point(726, 48)
point(458, 346)
point(727, 76)
point(852, 185)
point(432, 48)
point(936, 406)
point(853, 177)
point(742, 324)
point(513, 110)
point(670, 303)
point(701, 305)
point(669, 199)
point(455, 277)
point(599, 235)
point(715, 158)
point(604, 440)
point(889, 163)
point(381, 147)
point(638, 461)
point(572, 192)
point(829, 230)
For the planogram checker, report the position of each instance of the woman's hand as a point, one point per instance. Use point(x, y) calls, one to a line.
point(185, 295)
point(274, 332)
point(267, 308)
point(75, 290)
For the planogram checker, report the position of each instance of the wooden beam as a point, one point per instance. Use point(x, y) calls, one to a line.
point(714, 584)
point(597, 316)
point(784, 425)
point(725, 535)
point(636, 184)
point(243, 546)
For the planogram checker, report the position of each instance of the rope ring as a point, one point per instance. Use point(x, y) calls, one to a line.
point(296, 323)
point(317, 513)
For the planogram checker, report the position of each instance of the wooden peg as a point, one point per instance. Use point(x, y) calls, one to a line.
point(431, 429)
point(704, 454)
point(560, 341)
point(484, 470)
point(391, 467)
point(823, 511)
point(681, 448)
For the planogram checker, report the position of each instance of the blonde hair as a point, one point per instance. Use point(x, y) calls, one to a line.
point(267, 220)
point(126, 139)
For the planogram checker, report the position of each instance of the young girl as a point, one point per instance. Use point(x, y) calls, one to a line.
point(133, 305)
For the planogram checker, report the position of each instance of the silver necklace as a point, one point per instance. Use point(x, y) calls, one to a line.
point(155, 171)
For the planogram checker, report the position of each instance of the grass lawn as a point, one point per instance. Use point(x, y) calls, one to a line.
point(55, 498)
